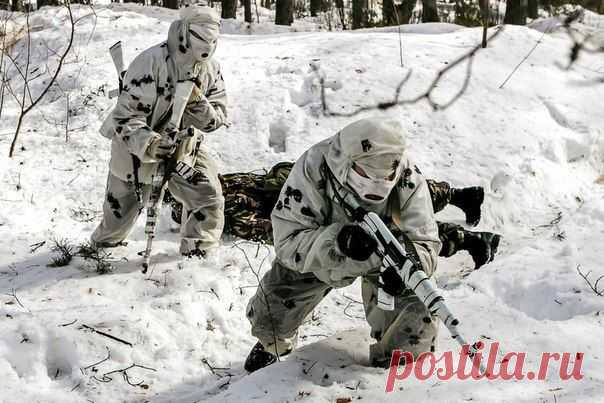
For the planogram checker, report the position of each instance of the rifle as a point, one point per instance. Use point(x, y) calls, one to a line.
point(395, 255)
point(169, 166)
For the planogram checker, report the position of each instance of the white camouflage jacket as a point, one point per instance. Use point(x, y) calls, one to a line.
point(308, 217)
point(144, 106)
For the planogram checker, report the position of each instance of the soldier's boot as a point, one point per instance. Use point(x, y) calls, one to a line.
point(482, 246)
point(259, 358)
point(469, 200)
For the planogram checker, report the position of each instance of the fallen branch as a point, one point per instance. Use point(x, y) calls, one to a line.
point(105, 378)
point(107, 335)
point(101, 361)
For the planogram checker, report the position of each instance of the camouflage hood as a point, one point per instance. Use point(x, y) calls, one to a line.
point(202, 20)
point(376, 144)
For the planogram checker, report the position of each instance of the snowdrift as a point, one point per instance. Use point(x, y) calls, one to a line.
point(536, 145)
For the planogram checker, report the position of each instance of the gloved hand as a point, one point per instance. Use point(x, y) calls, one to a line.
point(356, 243)
point(391, 282)
point(161, 147)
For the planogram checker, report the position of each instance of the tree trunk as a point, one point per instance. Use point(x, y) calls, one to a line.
point(405, 10)
point(533, 9)
point(359, 13)
point(484, 13)
point(515, 12)
point(315, 7)
point(429, 12)
point(341, 12)
point(284, 12)
point(388, 13)
point(173, 4)
point(229, 9)
point(247, 10)
point(16, 5)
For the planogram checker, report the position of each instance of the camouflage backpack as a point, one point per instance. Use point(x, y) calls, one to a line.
point(249, 199)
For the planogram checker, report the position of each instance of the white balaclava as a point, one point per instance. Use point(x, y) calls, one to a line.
point(192, 39)
point(376, 146)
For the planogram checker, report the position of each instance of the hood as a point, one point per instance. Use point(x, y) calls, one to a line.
point(376, 144)
point(207, 22)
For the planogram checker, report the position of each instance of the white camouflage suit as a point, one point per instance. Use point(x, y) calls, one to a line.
point(308, 264)
point(143, 110)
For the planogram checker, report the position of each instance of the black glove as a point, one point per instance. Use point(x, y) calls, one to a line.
point(356, 243)
point(391, 282)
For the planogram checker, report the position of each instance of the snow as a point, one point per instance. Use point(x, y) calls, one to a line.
point(536, 146)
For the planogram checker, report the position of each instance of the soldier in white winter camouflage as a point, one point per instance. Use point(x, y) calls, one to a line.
point(318, 247)
point(138, 146)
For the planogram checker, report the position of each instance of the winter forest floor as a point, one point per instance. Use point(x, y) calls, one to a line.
point(536, 145)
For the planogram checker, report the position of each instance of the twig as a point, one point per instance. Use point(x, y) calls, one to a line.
point(593, 285)
point(101, 361)
point(108, 335)
point(105, 378)
point(211, 291)
point(261, 288)
point(213, 369)
point(13, 293)
point(68, 324)
point(34, 247)
point(25, 110)
point(523, 60)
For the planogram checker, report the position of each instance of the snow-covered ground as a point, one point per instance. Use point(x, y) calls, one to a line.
point(536, 146)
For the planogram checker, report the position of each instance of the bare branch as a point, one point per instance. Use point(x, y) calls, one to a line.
point(426, 95)
point(24, 110)
point(593, 285)
point(260, 286)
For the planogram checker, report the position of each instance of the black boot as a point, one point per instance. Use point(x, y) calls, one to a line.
point(258, 358)
point(469, 200)
point(482, 246)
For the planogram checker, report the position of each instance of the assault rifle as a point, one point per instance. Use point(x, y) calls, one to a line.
point(395, 255)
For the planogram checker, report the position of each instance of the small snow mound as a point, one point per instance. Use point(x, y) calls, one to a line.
point(500, 181)
point(310, 90)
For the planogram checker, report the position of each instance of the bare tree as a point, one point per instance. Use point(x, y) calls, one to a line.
point(359, 14)
point(247, 10)
point(229, 9)
point(42, 3)
point(533, 9)
point(429, 11)
point(173, 4)
point(315, 7)
point(484, 13)
point(284, 12)
point(515, 12)
point(16, 5)
point(26, 100)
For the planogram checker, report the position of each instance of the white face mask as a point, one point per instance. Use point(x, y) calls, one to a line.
point(203, 46)
point(372, 191)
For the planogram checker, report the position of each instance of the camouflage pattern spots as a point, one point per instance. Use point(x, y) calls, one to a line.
point(440, 192)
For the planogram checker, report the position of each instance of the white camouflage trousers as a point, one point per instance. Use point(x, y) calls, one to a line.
point(203, 208)
point(287, 297)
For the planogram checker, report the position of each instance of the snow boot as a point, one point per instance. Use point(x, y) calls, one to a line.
point(259, 358)
point(469, 200)
point(482, 246)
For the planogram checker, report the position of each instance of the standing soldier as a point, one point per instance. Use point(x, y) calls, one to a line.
point(138, 146)
point(318, 247)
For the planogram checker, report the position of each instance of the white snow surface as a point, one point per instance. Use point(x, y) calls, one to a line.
point(536, 146)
